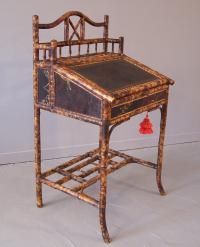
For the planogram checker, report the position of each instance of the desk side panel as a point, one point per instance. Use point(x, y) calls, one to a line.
point(43, 86)
point(72, 97)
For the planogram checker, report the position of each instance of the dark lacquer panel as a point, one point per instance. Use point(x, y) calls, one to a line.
point(125, 108)
point(114, 75)
point(73, 98)
point(43, 86)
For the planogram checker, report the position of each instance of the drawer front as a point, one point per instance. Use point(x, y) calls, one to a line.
point(131, 106)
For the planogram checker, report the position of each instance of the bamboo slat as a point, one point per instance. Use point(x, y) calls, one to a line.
point(80, 196)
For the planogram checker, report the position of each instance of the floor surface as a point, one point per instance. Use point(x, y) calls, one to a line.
point(137, 215)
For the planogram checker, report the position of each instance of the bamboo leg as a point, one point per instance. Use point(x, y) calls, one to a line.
point(37, 156)
point(104, 143)
point(160, 149)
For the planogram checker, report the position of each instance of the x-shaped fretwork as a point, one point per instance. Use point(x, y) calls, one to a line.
point(74, 29)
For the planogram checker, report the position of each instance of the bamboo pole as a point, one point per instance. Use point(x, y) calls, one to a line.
point(104, 146)
point(160, 148)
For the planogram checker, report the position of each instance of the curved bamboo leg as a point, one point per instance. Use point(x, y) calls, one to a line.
point(104, 145)
point(160, 149)
point(37, 156)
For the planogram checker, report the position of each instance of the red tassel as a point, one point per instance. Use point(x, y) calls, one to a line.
point(146, 127)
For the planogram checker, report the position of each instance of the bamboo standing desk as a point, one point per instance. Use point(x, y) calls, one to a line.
point(100, 85)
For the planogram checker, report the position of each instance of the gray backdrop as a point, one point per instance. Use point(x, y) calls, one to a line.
point(162, 34)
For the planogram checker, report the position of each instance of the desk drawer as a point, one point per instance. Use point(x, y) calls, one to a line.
point(138, 103)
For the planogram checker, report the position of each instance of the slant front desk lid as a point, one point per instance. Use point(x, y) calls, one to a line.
point(114, 76)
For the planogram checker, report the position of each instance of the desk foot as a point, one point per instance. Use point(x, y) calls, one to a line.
point(160, 188)
point(103, 226)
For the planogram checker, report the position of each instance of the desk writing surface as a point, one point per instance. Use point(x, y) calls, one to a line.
point(114, 75)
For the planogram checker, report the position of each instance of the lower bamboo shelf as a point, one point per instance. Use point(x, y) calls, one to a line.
point(84, 170)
